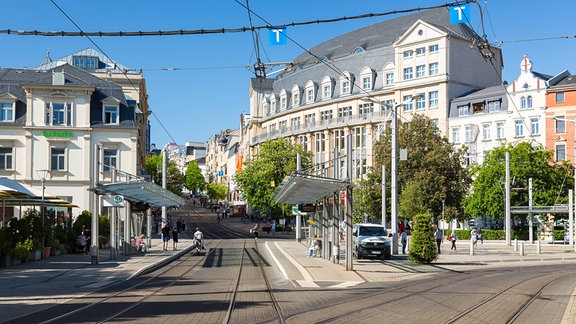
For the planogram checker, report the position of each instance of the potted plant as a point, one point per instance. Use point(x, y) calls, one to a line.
point(21, 252)
point(36, 252)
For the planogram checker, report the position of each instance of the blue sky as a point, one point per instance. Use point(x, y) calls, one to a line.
point(210, 90)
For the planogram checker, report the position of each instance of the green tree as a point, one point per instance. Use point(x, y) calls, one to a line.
point(260, 175)
point(433, 163)
point(550, 180)
point(422, 242)
point(193, 178)
point(174, 178)
point(216, 191)
point(412, 201)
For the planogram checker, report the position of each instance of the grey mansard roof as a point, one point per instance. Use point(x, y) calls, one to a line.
point(376, 40)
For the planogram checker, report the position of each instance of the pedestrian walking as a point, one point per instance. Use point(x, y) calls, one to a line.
point(254, 231)
point(404, 241)
point(438, 237)
point(453, 239)
point(474, 237)
point(273, 226)
point(479, 231)
point(165, 236)
point(174, 239)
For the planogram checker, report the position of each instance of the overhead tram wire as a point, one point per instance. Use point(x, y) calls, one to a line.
point(183, 32)
point(125, 73)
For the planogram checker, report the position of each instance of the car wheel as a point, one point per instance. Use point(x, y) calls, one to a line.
point(387, 256)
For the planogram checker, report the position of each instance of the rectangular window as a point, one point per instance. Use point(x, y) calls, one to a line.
point(345, 87)
point(463, 110)
point(409, 105)
point(408, 73)
point(58, 113)
point(486, 132)
point(310, 120)
point(57, 159)
point(433, 48)
point(344, 112)
point(518, 128)
point(494, 106)
point(366, 83)
point(500, 130)
point(433, 99)
point(6, 158)
point(295, 99)
point(283, 125)
point(560, 153)
point(366, 108)
point(327, 91)
point(326, 115)
point(456, 135)
point(110, 158)
point(389, 78)
point(560, 124)
point(88, 63)
point(421, 51)
point(310, 95)
point(408, 54)
point(420, 71)
point(559, 97)
point(534, 126)
point(421, 101)
point(433, 69)
point(468, 134)
point(110, 115)
point(6, 112)
point(339, 139)
point(295, 123)
point(283, 103)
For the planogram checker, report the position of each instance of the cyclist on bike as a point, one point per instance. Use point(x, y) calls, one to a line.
point(198, 237)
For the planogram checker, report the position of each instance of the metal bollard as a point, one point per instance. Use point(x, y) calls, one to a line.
point(538, 247)
point(521, 248)
point(515, 245)
point(471, 247)
point(335, 253)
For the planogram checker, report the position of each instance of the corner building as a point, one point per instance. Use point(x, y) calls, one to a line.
point(324, 97)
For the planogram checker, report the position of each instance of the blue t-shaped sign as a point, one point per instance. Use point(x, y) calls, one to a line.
point(460, 14)
point(277, 36)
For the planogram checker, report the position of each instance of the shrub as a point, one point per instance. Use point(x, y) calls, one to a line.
point(423, 245)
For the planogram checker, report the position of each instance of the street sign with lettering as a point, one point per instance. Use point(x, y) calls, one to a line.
point(460, 14)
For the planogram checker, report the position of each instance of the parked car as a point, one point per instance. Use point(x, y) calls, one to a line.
point(370, 240)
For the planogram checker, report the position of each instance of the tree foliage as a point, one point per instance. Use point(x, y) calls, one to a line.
point(193, 178)
point(550, 180)
point(174, 178)
point(217, 191)
point(422, 242)
point(261, 175)
point(412, 200)
point(433, 165)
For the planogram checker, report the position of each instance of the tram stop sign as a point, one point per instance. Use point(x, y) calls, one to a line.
point(113, 201)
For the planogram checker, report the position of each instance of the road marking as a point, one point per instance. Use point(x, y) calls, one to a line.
point(308, 280)
point(280, 267)
point(346, 284)
point(570, 312)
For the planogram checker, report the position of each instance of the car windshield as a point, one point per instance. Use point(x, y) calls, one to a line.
point(371, 231)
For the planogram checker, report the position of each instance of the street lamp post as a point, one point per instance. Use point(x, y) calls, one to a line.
point(42, 174)
point(394, 170)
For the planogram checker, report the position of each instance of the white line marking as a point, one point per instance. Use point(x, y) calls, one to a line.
point(303, 272)
point(280, 267)
point(570, 312)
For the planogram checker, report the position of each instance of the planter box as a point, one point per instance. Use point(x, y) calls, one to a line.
point(54, 252)
point(35, 255)
point(46, 252)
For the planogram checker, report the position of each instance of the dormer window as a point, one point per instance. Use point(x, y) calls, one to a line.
point(295, 96)
point(88, 63)
point(326, 88)
point(366, 77)
point(346, 80)
point(6, 112)
point(310, 92)
point(358, 50)
point(110, 115)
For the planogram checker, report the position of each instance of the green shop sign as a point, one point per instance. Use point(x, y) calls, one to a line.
point(57, 134)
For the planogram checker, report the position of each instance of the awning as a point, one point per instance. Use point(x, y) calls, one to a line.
point(14, 193)
point(141, 191)
point(301, 188)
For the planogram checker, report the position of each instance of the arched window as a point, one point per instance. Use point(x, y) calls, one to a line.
point(358, 50)
point(529, 101)
point(522, 102)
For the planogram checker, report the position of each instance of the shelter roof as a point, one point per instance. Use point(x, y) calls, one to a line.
point(299, 188)
point(141, 191)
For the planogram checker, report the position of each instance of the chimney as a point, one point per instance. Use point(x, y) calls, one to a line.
point(58, 78)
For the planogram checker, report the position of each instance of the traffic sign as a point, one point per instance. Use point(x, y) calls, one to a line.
point(460, 14)
point(277, 36)
point(220, 173)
